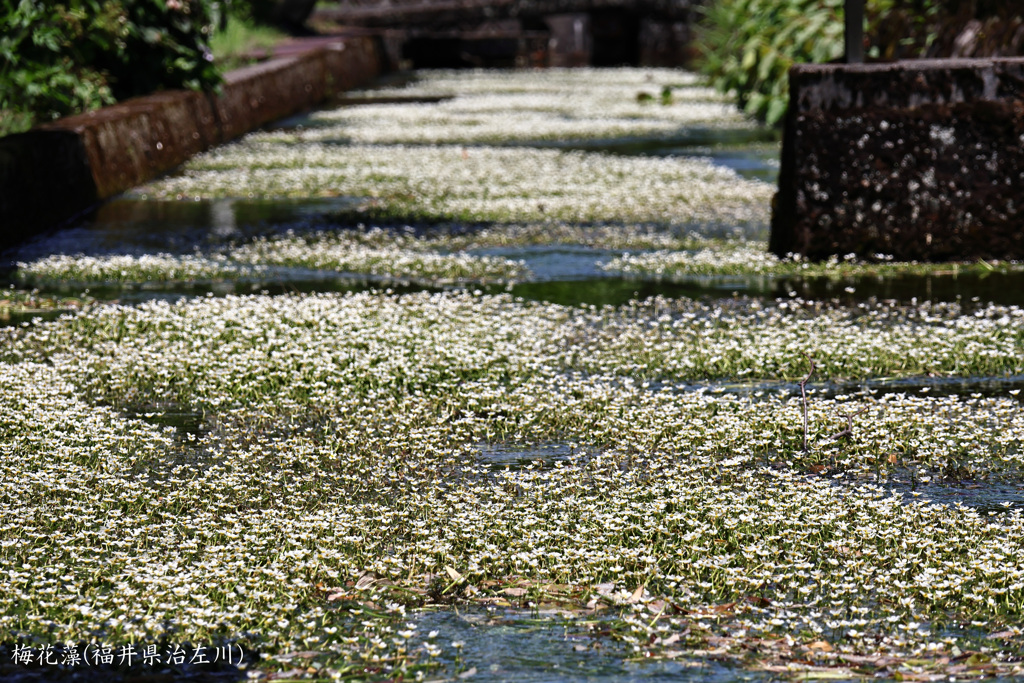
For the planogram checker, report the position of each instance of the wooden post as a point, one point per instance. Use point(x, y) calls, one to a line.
point(854, 15)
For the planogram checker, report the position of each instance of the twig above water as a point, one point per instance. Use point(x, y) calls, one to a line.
point(803, 396)
point(848, 432)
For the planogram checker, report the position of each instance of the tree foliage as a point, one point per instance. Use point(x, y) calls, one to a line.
point(747, 47)
point(59, 58)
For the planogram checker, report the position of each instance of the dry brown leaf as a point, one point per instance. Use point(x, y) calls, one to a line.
point(1001, 635)
point(498, 602)
point(657, 605)
point(557, 588)
point(758, 600)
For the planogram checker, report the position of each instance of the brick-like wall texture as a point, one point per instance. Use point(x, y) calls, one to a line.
point(920, 160)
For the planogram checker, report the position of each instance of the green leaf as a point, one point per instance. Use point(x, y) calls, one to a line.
point(776, 110)
point(749, 60)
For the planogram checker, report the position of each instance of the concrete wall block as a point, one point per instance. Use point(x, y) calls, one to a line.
point(919, 160)
point(353, 62)
point(131, 142)
point(904, 84)
point(258, 94)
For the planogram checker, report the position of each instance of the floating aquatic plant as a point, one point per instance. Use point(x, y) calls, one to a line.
point(341, 443)
point(348, 252)
point(753, 258)
point(494, 107)
point(128, 268)
point(519, 184)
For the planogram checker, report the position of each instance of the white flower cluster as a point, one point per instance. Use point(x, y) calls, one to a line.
point(493, 107)
point(123, 268)
point(750, 257)
point(413, 160)
point(747, 258)
point(348, 252)
point(513, 184)
point(342, 435)
point(370, 252)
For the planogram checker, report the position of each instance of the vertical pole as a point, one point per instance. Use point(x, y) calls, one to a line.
point(854, 16)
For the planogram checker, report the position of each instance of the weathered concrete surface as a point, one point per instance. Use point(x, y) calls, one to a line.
point(918, 159)
point(60, 169)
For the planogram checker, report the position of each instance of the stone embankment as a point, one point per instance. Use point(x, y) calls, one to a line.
point(920, 160)
point(58, 170)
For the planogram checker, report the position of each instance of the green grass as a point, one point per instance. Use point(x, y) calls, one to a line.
point(240, 41)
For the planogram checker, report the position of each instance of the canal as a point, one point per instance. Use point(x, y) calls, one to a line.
point(489, 376)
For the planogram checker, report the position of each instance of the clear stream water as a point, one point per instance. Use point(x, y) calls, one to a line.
point(509, 644)
point(547, 647)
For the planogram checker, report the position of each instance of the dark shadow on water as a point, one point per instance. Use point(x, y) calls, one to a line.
point(16, 319)
point(923, 386)
point(516, 457)
point(185, 422)
point(604, 291)
point(985, 498)
point(969, 289)
point(323, 282)
point(751, 153)
point(999, 288)
point(1005, 289)
point(686, 138)
point(564, 274)
point(594, 291)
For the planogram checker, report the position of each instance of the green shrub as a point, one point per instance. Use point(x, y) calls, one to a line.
point(59, 58)
point(747, 47)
